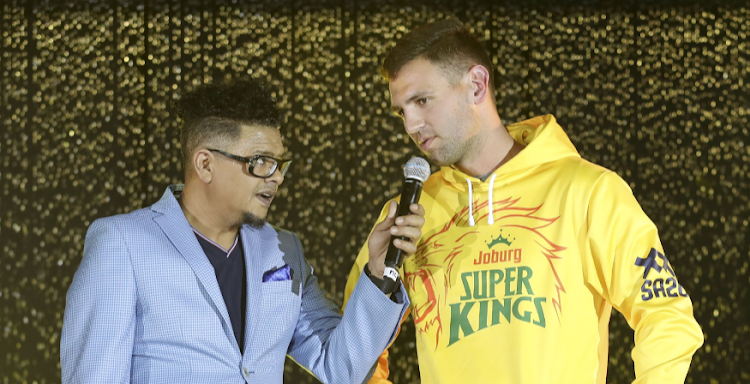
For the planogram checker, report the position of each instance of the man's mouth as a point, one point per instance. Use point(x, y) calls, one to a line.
point(424, 144)
point(266, 197)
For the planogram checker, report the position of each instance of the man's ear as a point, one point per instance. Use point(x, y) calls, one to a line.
point(480, 78)
point(203, 162)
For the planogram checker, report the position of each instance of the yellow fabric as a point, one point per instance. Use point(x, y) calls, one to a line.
point(527, 299)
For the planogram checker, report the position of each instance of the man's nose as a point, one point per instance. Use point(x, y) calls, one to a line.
point(413, 122)
point(277, 177)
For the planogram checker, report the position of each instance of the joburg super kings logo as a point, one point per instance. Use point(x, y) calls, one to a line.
point(490, 296)
point(494, 256)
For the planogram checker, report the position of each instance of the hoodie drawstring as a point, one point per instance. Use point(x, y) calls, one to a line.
point(490, 217)
point(471, 204)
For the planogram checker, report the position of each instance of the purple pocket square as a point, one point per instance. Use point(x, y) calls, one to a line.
point(278, 274)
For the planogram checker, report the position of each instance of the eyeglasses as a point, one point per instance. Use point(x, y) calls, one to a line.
point(260, 165)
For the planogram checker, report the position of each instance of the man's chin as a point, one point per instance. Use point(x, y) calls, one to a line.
point(437, 159)
point(254, 221)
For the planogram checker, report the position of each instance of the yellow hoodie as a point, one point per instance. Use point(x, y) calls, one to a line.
point(515, 277)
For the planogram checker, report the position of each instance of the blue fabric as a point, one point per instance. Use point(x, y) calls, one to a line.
point(145, 307)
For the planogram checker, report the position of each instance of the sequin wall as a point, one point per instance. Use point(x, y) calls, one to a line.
point(658, 93)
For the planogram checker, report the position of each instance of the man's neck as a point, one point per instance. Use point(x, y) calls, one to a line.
point(514, 150)
point(205, 221)
point(490, 151)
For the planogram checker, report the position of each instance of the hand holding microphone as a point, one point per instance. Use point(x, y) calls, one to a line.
point(396, 236)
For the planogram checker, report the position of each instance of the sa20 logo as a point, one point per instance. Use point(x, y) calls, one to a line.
point(659, 287)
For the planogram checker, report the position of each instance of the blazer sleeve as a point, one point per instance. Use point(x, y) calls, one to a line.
point(96, 344)
point(343, 349)
point(382, 371)
point(628, 268)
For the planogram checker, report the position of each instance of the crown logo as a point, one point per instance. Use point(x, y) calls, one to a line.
point(499, 240)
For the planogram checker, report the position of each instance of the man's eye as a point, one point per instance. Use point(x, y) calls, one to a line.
point(422, 101)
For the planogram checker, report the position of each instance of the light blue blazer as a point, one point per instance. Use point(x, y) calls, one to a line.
point(145, 307)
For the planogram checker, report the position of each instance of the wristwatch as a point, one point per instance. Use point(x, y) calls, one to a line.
point(386, 286)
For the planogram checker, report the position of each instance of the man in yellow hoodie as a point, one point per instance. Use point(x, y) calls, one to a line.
point(526, 246)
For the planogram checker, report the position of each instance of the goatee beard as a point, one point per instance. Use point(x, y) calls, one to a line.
point(252, 220)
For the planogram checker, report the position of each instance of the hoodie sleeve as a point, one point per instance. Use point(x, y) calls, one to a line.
point(628, 267)
point(380, 375)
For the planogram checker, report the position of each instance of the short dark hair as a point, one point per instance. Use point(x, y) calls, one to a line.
point(446, 43)
point(213, 113)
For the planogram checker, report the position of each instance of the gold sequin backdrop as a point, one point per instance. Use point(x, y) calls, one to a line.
point(656, 92)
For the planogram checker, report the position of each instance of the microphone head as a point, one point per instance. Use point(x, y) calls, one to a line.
point(417, 168)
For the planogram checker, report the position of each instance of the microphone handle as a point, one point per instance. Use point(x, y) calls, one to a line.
point(394, 257)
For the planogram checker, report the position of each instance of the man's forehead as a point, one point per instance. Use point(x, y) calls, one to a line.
point(399, 87)
point(416, 76)
point(403, 94)
point(262, 139)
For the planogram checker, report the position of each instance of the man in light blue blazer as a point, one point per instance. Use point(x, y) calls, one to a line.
point(198, 288)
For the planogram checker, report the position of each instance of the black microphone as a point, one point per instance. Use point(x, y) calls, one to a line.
point(416, 172)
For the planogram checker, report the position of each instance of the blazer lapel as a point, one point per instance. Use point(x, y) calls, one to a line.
point(180, 233)
point(260, 246)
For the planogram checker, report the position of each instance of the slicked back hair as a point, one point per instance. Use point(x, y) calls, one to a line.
point(447, 44)
point(214, 113)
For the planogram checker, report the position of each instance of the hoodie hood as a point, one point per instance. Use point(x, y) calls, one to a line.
point(545, 142)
